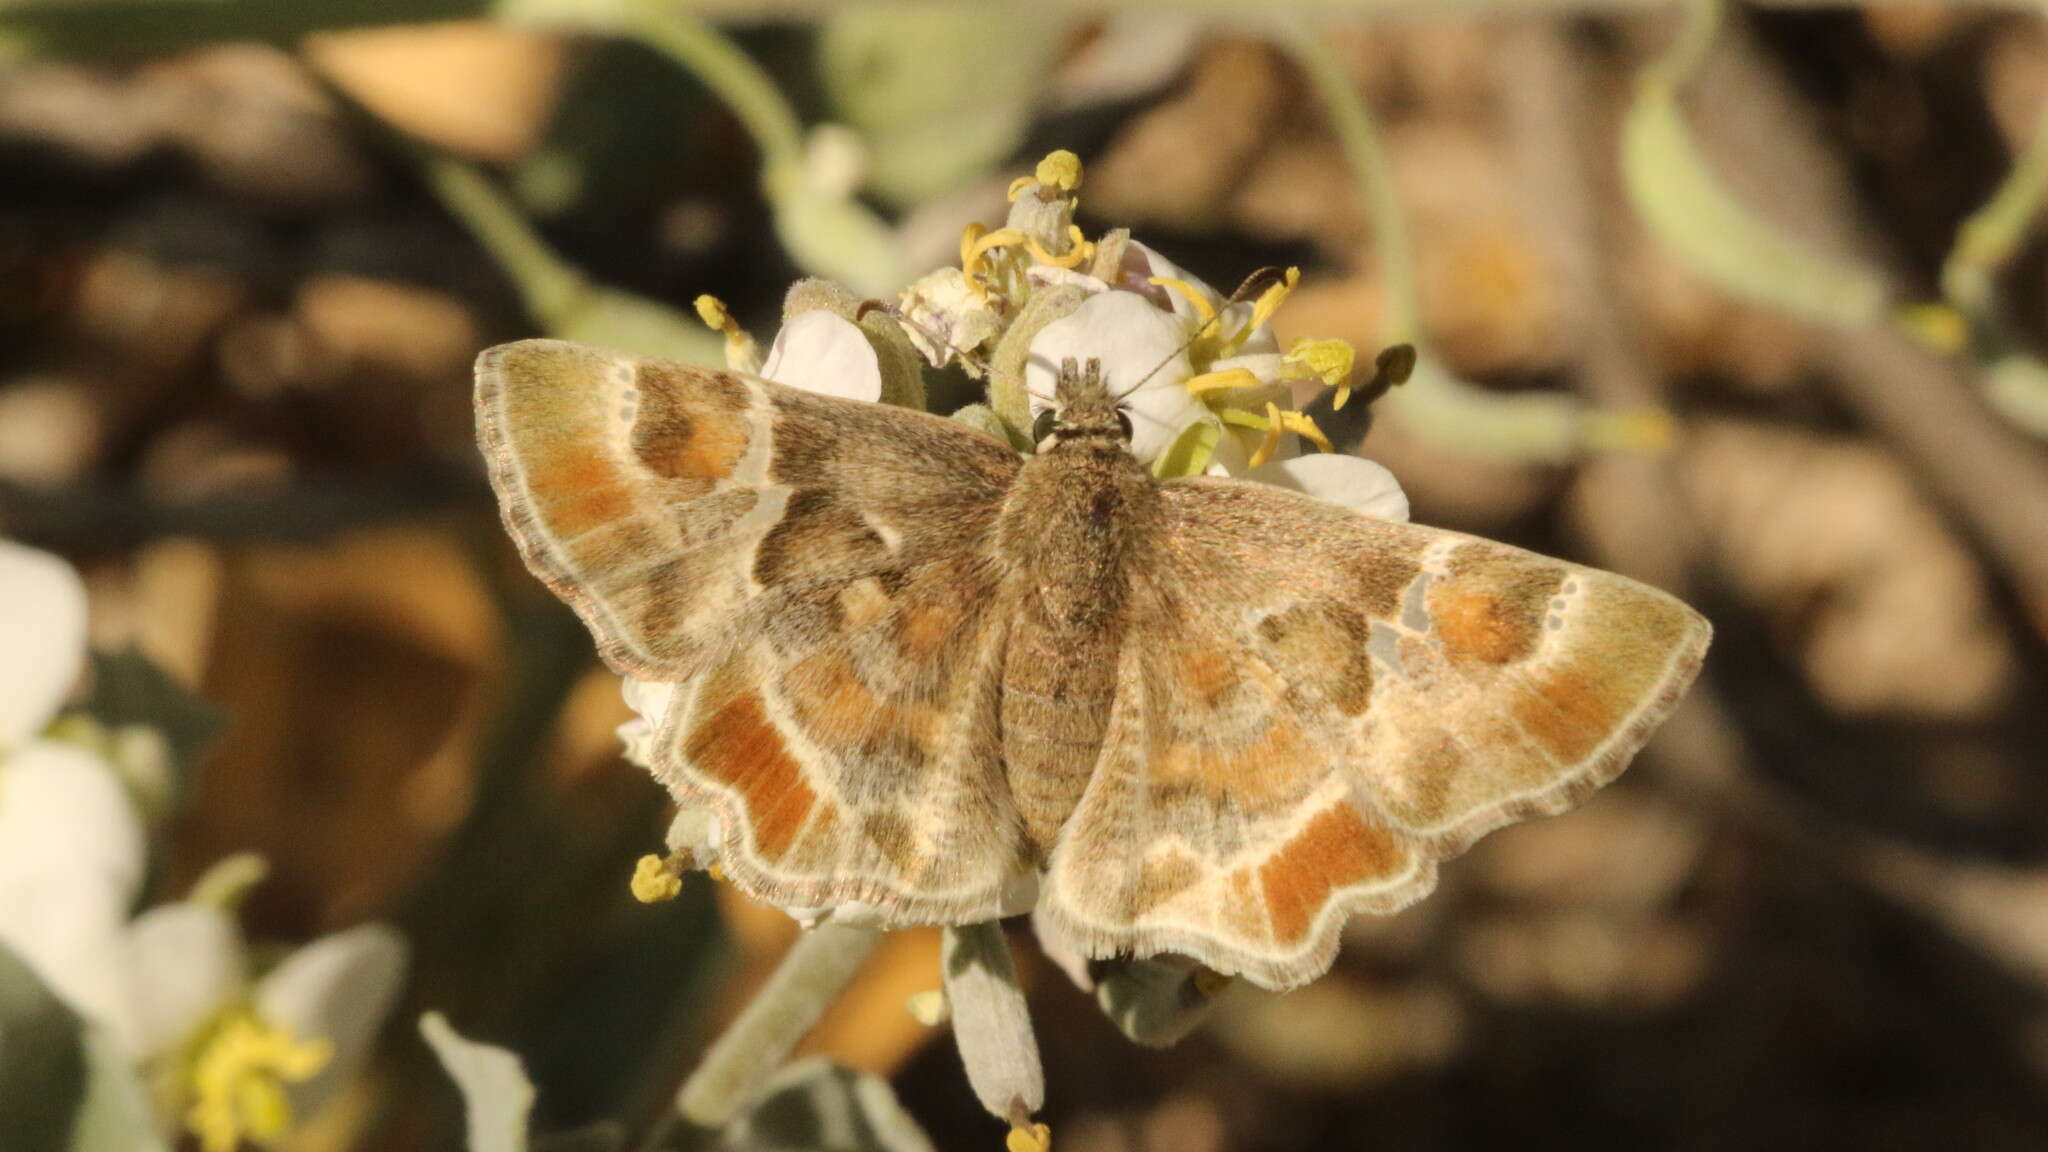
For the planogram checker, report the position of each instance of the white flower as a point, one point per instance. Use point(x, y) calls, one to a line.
point(1358, 484)
point(825, 353)
point(944, 318)
point(1142, 351)
point(71, 843)
point(72, 856)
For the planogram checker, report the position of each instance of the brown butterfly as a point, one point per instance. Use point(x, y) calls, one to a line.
point(1209, 717)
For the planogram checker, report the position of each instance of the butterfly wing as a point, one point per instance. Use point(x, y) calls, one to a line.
point(1316, 706)
point(813, 573)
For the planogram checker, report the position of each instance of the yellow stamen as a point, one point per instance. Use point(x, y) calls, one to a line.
point(742, 354)
point(654, 881)
point(1330, 361)
point(1193, 295)
point(1220, 381)
point(1300, 424)
point(979, 247)
point(238, 1081)
point(1271, 442)
point(1269, 302)
point(1032, 1138)
point(716, 871)
point(1018, 186)
point(1078, 250)
point(968, 236)
point(713, 312)
point(1060, 169)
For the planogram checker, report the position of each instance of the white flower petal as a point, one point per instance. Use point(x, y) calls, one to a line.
point(496, 1095)
point(340, 987)
point(70, 861)
point(1142, 264)
point(42, 617)
point(825, 353)
point(1134, 341)
point(943, 317)
point(189, 961)
point(1358, 484)
point(649, 701)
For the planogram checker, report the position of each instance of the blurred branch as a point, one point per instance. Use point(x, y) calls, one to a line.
point(1434, 403)
point(102, 28)
point(1926, 408)
point(812, 974)
point(560, 297)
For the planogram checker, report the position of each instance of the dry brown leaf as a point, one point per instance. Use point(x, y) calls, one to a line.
point(478, 89)
point(1176, 163)
point(1863, 580)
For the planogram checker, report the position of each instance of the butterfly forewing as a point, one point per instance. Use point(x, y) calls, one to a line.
point(814, 572)
point(1316, 706)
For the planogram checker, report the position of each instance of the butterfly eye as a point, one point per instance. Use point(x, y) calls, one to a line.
point(1123, 421)
point(1042, 427)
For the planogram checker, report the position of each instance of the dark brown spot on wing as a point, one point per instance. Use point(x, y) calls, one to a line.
point(1322, 652)
point(691, 424)
point(817, 534)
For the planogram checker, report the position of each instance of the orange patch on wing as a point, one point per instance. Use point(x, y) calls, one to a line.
point(827, 692)
point(926, 629)
point(1338, 848)
point(1567, 711)
point(1476, 623)
point(738, 745)
point(1206, 674)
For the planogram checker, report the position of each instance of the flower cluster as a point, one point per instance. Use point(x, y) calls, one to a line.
point(226, 1055)
point(1207, 386)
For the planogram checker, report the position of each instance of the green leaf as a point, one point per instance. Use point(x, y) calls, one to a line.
point(63, 1084)
point(940, 93)
point(813, 1106)
point(1686, 205)
point(42, 1060)
point(1190, 452)
point(496, 1095)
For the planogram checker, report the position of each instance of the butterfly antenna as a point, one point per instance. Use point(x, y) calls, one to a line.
point(1253, 285)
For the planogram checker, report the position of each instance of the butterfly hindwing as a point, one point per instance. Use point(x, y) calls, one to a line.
point(1316, 706)
point(813, 572)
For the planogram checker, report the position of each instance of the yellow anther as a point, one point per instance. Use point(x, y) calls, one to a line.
point(1269, 302)
point(654, 881)
point(1330, 361)
point(1029, 1138)
point(1300, 424)
point(1271, 442)
point(238, 1081)
point(741, 353)
point(928, 1007)
point(716, 871)
point(1018, 186)
point(1193, 295)
point(713, 312)
point(1223, 380)
point(1060, 169)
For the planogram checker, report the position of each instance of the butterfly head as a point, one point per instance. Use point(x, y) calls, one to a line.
point(1083, 411)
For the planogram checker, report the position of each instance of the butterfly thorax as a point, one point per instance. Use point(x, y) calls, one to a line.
point(1075, 524)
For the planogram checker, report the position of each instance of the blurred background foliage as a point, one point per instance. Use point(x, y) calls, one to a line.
point(1747, 303)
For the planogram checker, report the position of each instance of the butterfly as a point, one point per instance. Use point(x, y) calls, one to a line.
point(916, 669)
